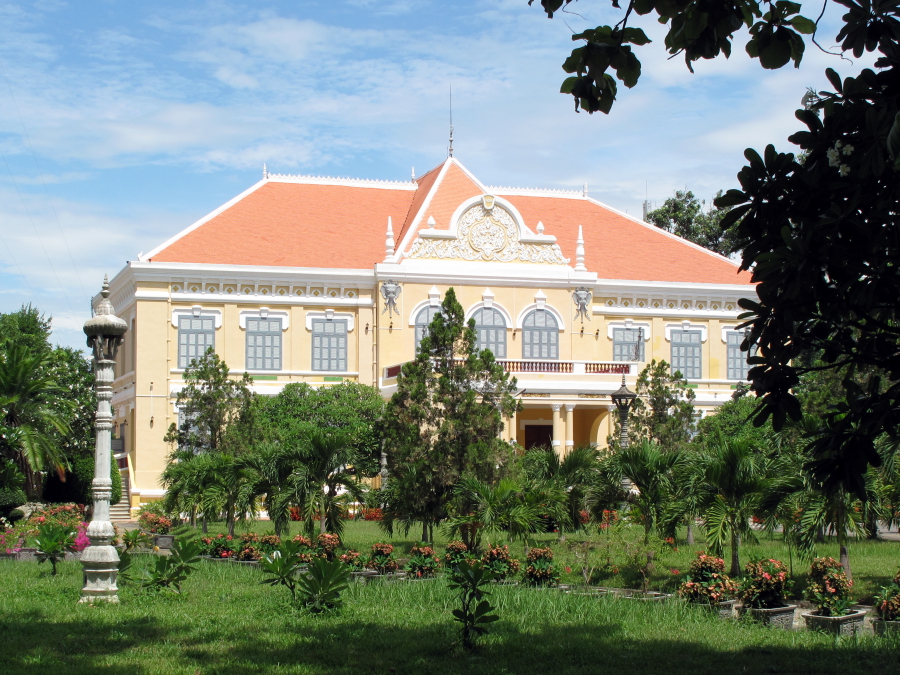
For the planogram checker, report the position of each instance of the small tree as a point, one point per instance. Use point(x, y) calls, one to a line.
point(685, 215)
point(444, 421)
point(663, 411)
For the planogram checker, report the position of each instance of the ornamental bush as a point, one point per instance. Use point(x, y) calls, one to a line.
point(828, 587)
point(352, 560)
point(707, 582)
point(67, 516)
point(220, 546)
point(306, 551)
point(499, 562)
point(382, 559)
point(154, 523)
point(327, 544)
point(539, 569)
point(765, 584)
point(423, 563)
point(456, 553)
point(887, 601)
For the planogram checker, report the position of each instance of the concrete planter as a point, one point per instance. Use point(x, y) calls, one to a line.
point(163, 540)
point(724, 609)
point(7, 556)
point(779, 617)
point(26, 554)
point(848, 624)
point(882, 627)
point(73, 555)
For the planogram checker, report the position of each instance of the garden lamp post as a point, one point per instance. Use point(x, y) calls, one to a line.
point(101, 560)
point(623, 397)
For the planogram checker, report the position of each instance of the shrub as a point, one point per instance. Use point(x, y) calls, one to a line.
point(351, 559)
point(248, 553)
point(306, 551)
point(373, 514)
point(170, 571)
point(52, 542)
point(828, 587)
point(135, 539)
point(456, 553)
point(539, 569)
point(220, 546)
point(12, 539)
point(327, 544)
point(281, 566)
point(765, 584)
point(423, 563)
point(382, 559)
point(15, 515)
point(499, 562)
point(154, 523)
point(320, 588)
point(471, 578)
point(707, 582)
point(82, 541)
point(68, 516)
point(887, 601)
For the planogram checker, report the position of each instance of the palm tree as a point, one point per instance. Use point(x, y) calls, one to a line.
point(574, 473)
point(33, 413)
point(651, 471)
point(734, 477)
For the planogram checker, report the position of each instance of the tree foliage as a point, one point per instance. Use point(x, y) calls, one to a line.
point(819, 235)
point(684, 215)
point(444, 421)
point(663, 411)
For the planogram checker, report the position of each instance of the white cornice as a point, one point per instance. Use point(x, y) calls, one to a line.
point(202, 221)
point(534, 192)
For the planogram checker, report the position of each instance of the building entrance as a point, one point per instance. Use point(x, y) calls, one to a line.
point(538, 435)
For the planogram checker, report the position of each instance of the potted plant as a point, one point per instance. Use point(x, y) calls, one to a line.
point(709, 586)
point(829, 588)
point(887, 607)
point(762, 591)
point(382, 559)
point(158, 525)
point(423, 563)
point(457, 552)
point(539, 569)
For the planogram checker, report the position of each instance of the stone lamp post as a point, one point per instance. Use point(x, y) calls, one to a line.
point(623, 397)
point(101, 560)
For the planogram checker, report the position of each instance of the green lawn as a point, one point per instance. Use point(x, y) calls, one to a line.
point(226, 622)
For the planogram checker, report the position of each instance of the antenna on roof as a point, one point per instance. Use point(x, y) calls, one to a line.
point(584, 191)
point(450, 150)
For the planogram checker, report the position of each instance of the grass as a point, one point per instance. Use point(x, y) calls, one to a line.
point(227, 622)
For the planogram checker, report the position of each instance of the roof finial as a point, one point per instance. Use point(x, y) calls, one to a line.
point(265, 172)
point(451, 121)
point(584, 190)
point(579, 252)
point(413, 177)
point(389, 242)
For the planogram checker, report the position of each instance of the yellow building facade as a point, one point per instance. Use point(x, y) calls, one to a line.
point(321, 280)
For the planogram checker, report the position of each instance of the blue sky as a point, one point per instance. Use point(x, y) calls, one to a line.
point(121, 123)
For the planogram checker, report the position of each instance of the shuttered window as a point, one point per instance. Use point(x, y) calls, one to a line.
point(687, 351)
point(628, 344)
point(263, 344)
point(329, 345)
point(196, 334)
point(423, 321)
point(737, 360)
point(490, 331)
point(540, 336)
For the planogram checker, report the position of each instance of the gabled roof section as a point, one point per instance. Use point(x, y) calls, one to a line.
point(618, 246)
point(295, 221)
point(451, 185)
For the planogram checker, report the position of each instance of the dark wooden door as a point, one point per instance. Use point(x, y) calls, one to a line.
point(537, 435)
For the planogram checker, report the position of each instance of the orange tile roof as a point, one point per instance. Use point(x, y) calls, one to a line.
point(617, 247)
point(295, 224)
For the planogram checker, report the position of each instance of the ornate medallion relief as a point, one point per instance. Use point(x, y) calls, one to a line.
point(488, 234)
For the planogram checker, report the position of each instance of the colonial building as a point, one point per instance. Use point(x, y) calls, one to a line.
point(324, 280)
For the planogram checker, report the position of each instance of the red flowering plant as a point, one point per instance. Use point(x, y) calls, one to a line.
point(68, 516)
point(219, 546)
point(373, 514)
point(13, 539)
point(352, 560)
point(498, 560)
point(154, 523)
point(608, 518)
point(887, 601)
point(707, 582)
point(765, 584)
point(381, 559)
point(828, 587)
point(327, 544)
point(307, 551)
point(539, 569)
point(248, 553)
point(455, 553)
point(423, 563)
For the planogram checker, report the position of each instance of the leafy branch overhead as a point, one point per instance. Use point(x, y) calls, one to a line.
point(698, 30)
point(817, 230)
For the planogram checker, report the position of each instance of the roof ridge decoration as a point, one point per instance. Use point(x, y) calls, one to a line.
point(486, 231)
point(338, 180)
point(538, 192)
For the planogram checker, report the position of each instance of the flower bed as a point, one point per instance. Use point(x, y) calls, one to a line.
point(498, 560)
point(423, 563)
point(382, 559)
point(707, 582)
point(828, 587)
point(539, 569)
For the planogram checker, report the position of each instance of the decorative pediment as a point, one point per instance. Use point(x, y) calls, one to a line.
point(487, 230)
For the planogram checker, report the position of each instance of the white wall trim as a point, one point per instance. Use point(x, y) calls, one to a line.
point(331, 314)
point(548, 308)
point(687, 325)
point(493, 305)
point(419, 307)
point(628, 323)
point(197, 310)
point(263, 313)
point(729, 329)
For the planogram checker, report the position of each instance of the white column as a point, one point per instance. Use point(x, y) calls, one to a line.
point(558, 431)
point(570, 428)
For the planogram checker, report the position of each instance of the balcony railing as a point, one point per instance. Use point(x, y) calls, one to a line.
point(537, 366)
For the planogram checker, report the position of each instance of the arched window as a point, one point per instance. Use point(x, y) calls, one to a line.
point(423, 321)
point(540, 336)
point(490, 331)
